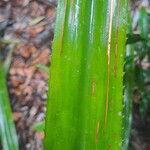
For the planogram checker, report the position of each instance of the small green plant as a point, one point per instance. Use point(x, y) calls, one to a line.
point(39, 126)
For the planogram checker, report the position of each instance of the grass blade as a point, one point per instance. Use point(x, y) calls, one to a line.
point(7, 129)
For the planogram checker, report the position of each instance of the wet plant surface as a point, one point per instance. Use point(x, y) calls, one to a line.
point(27, 26)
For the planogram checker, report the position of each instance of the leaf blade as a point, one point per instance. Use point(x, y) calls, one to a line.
point(85, 96)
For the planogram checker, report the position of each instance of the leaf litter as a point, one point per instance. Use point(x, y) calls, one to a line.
point(28, 25)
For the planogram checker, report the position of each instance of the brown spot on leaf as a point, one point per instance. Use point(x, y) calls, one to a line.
point(109, 147)
point(97, 132)
point(111, 104)
point(93, 88)
point(63, 28)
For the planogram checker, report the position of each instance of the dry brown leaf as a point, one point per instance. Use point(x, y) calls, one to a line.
point(12, 71)
point(28, 91)
point(17, 116)
point(51, 12)
point(43, 57)
point(33, 31)
point(25, 52)
point(20, 71)
point(39, 135)
point(32, 49)
point(18, 62)
point(16, 81)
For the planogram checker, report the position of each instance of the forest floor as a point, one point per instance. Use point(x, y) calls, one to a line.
point(27, 27)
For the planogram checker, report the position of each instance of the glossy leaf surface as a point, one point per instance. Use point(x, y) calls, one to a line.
point(84, 110)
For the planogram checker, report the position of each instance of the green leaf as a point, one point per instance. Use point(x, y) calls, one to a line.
point(40, 126)
point(128, 94)
point(43, 68)
point(133, 38)
point(8, 135)
point(85, 100)
point(143, 23)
